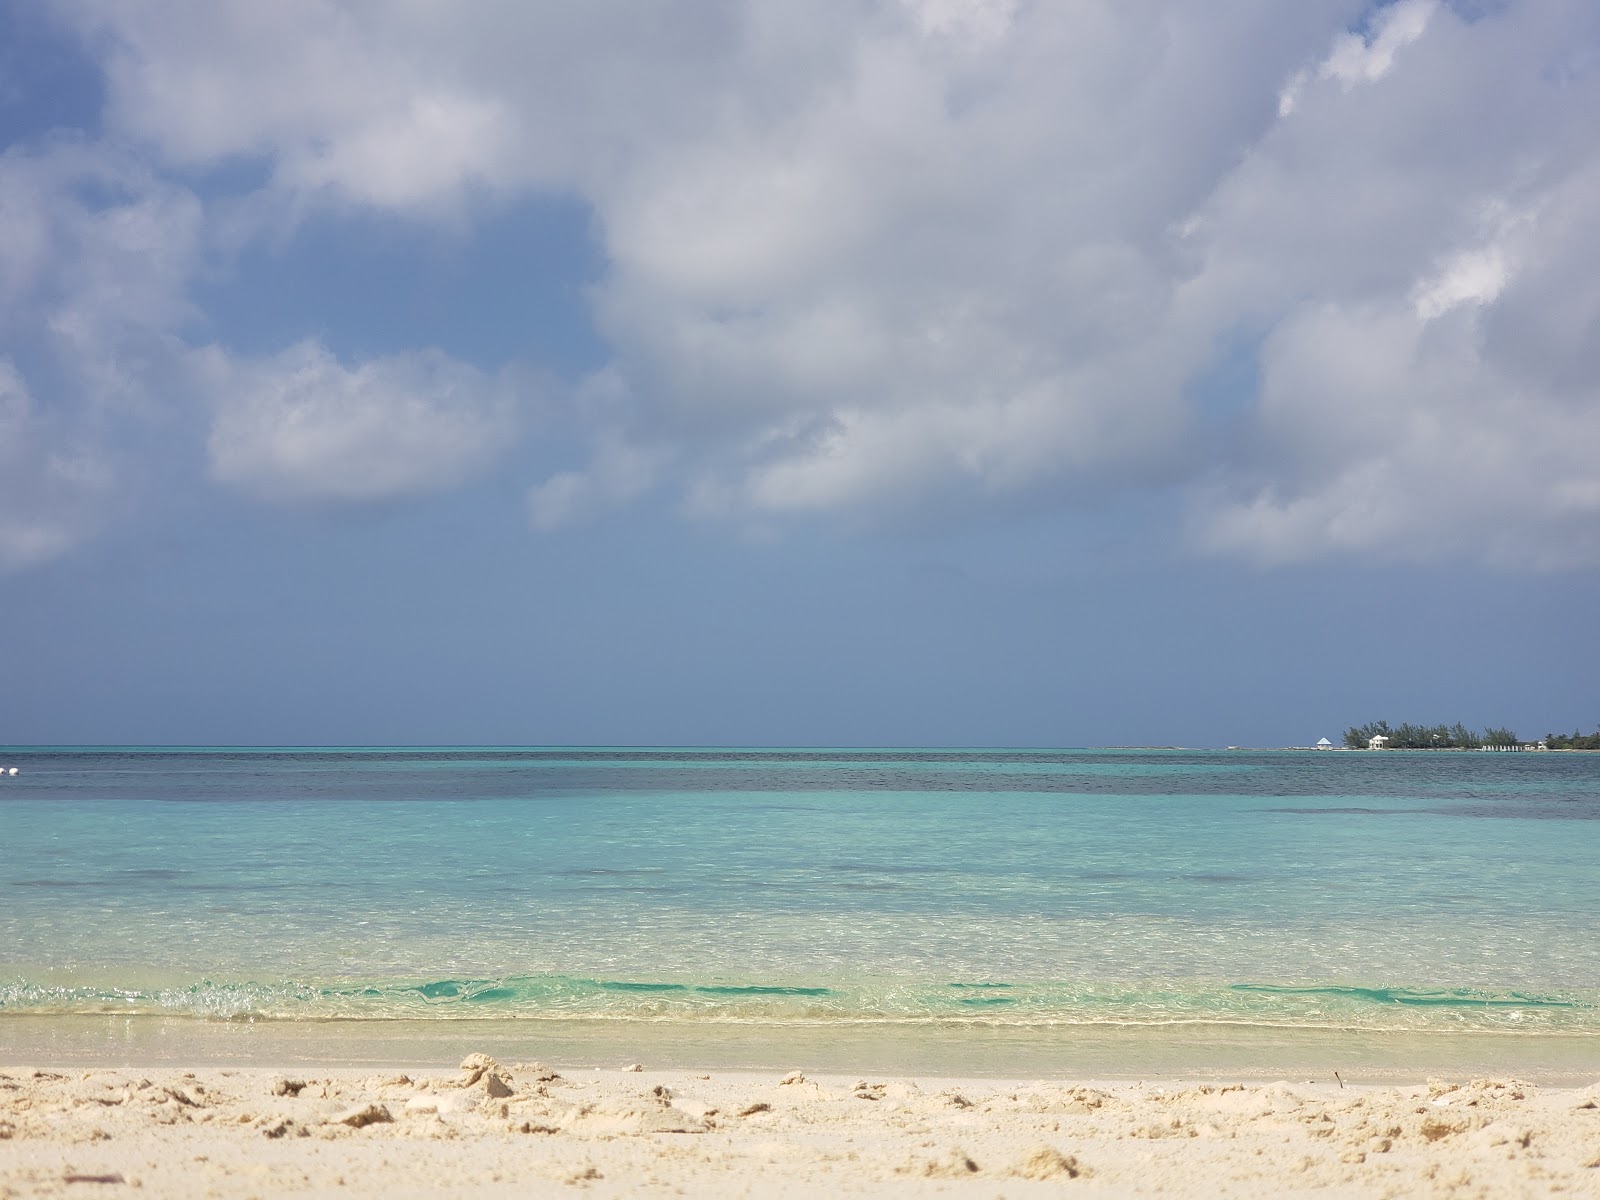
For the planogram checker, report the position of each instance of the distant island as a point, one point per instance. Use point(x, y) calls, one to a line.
point(1379, 735)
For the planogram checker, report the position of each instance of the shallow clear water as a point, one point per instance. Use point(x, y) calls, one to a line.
point(1025, 888)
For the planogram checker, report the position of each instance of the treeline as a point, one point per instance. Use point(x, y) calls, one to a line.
point(1426, 737)
point(1573, 740)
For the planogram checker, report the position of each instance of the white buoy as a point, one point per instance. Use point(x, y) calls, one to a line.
point(13, 770)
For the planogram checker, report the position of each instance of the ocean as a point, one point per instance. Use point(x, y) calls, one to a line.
point(951, 900)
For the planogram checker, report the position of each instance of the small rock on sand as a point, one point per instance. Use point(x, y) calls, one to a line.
point(361, 1116)
point(495, 1085)
point(535, 1071)
point(480, 1068)
point(1046, 1162)
point(474, 1067)
point(952, 1164)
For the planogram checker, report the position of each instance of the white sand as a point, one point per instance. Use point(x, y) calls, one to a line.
point(523, 1130)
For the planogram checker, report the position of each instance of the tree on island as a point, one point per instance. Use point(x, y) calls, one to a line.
point(1359, 737)
point(1573, 740)
point(1426, 737)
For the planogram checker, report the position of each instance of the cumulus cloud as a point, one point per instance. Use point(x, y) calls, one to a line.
point(864, 253)
point(331, 101)
point(941, 270)
point(95, 254)
point(403, 106)
point(616, 474)
point(301, 427)
point(96, 251)
point(1472, 466)
point(1427, 355)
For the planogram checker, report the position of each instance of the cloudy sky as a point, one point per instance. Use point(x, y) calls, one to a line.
point(1021, 372)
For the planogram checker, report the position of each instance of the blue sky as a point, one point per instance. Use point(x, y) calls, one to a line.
point(857, 372)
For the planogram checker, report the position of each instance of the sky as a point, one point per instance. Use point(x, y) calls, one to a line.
point(767, 372)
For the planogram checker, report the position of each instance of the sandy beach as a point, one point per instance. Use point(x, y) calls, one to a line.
point(525, 1128)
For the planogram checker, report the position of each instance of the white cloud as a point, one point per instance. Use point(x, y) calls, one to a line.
point(1399, 429)
point(416, 156)
point(1428, 366)
point(937, 271)
point(1356, 59)
point(95, 253)
point(979, 20)
point(616, 474)
point(314, 86)
point(96, 250)
point(400, 105)
point(1471, 277)
point(301, 427)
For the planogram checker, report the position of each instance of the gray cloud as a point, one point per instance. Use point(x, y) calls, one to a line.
point(51, 491)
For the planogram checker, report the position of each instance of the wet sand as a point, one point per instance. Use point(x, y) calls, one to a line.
point(1228, 1053)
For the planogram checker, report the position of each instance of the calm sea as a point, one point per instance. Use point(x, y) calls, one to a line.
point(827, 888)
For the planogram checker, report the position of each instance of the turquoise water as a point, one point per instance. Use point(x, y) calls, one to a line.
point(1388, 891)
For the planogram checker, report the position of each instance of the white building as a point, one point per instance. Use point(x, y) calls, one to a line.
point(1377, 741)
